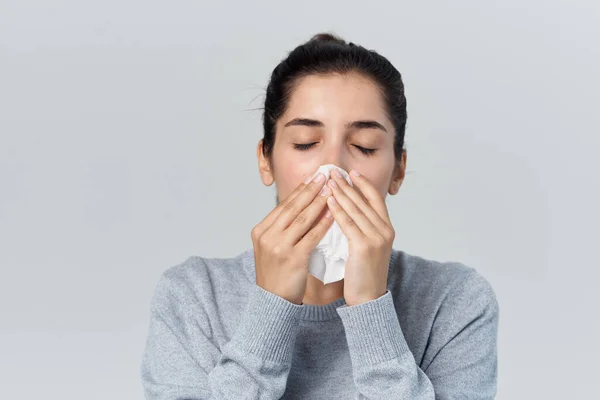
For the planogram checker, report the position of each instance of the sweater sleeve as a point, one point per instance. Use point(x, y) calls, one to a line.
point(463, 364)
point(182, 360)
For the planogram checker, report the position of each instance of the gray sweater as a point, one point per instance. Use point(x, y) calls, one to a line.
point(215, 334)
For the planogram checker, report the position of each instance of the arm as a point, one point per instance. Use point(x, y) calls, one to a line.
point(463, 364)
point(182, 361)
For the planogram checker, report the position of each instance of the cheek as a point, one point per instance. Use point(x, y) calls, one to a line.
point(289, 171)
point(288, 177)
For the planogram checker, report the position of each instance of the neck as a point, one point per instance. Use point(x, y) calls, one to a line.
point(319, 294)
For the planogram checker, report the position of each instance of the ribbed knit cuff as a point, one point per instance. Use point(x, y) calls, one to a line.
point(269, 326)
point(373, 331)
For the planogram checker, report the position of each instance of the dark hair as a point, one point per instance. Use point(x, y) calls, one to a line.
point(326, 53)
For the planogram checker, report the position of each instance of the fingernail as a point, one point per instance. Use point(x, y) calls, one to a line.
point(337, 173)
point(319, 177)
point(325, 191)
point(355, 173)
point(331, 200)
point(333, 183)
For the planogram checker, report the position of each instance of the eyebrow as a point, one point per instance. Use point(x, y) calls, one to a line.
point(362, 124)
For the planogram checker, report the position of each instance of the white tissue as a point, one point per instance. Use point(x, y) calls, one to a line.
point(327, 261)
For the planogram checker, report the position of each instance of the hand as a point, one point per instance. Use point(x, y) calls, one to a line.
point(284, 240)
point(365, 221)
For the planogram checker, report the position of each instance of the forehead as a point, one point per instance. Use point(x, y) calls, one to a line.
point(351, 95)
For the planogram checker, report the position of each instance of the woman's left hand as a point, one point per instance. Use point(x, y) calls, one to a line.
point(365, 221)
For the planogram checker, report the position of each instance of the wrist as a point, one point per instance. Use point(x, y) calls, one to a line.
point(356, 300)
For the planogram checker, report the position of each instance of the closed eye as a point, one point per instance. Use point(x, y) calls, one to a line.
point(304, 146)
point(307, 146)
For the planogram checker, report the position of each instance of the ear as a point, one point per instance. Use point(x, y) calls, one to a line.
point(398, 175)
point(264, 166)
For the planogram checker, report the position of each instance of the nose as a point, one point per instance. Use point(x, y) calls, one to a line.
point(335, 155)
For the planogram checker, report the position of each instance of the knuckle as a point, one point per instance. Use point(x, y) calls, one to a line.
point(254, 234)
point(300, 219)
point(390, 234)
point(277, 250)
point(311, 235)
point(349, 220)
point(280, 250)
point(288, 207)
point(380, 241)
point(263, 241)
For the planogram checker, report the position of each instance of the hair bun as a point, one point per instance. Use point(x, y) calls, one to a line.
point(327, 37)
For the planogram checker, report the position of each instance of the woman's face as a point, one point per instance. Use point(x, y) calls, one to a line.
point(332, 119)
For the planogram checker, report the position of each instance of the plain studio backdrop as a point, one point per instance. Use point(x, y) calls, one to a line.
point(128, 132)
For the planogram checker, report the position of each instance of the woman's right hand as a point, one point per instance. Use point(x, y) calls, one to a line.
point(284, 240)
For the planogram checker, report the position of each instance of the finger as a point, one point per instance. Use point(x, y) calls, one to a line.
point(315, 234)
point(351, 209)
point(307, 219)
point(346, 223)
point(371, 194)
point(361, 202)
point(293, 208)
point(266, 223)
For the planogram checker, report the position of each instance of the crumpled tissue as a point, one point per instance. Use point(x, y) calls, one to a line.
point(327, 261)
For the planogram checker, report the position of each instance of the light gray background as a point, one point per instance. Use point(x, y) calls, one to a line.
point(127, 144)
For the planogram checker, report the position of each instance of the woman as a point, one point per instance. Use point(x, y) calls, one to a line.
point(258, 326)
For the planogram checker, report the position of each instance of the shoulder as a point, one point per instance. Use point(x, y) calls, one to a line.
point(200, 278)
point(198, 267)
point(441, 282)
